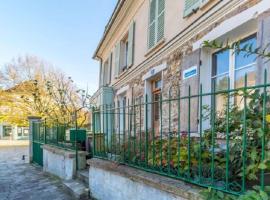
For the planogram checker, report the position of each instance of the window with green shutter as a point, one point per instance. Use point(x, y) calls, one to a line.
point(117, 60)
point(191, 5)
point(156, 22)
point(130, 56)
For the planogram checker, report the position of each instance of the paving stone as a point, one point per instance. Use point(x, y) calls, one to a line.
point(22, 181)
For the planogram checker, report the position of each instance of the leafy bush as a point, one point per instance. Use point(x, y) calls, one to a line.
point(255, 194)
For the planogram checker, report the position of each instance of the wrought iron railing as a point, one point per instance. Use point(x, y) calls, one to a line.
point(219, 139)
point(54, 134)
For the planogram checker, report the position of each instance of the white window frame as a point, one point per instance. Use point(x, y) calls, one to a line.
point(232, 69)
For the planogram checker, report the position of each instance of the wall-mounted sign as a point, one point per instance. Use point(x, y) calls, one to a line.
point(190, 72)
point(152, 71)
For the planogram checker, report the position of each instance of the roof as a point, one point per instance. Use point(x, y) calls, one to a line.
point(117, 8)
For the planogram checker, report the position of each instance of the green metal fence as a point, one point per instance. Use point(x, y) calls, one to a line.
point(59, 135)
point(219, 139)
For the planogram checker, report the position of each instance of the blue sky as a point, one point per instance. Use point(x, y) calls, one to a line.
point(62, 32)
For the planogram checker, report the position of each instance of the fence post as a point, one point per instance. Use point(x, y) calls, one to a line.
point(264, 126)
point(45, 131)
point(146, 130)
point(76, 144)
point(31, 120)
point(94, 130)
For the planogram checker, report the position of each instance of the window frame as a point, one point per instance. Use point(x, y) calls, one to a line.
point(124, 53)
point(232, 62)
point(155, 21)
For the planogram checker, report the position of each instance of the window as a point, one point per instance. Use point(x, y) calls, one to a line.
point(156, 91)
point(105, 73)
point(229, 65)
point(7, 131)
point(193, 5)
point(124, 54)
point(245, 65)
point(156, 22)
point(19, 131)
point(26, 132)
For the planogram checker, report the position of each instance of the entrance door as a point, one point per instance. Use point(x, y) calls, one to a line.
point(156, 90)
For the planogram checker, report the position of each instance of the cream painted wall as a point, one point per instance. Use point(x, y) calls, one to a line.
point(139, 11)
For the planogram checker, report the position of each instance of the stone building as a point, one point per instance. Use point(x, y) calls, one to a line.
point(154, 48)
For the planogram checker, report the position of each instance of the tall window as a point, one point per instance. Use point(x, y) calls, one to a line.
point(156, 22)
point(124, 53)
point(19, 131)
point(230, 65)
point(156, 90)
point(105, 73)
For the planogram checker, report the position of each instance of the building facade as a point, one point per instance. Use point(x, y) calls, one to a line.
point(13, 132)
point(154, 48)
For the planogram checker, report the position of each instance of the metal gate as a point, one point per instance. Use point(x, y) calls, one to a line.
point(38, 141)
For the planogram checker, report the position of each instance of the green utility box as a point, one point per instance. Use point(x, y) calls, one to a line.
point(80, 133)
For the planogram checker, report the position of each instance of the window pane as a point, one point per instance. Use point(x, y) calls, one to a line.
point(26, 132)
point(240, 77)
point(156, 106)
point(19, 131)
point(241, 59)
point(221, 62)
point(221, 82)
point(158, 84)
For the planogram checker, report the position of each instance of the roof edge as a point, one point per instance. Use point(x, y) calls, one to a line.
point(117, 8)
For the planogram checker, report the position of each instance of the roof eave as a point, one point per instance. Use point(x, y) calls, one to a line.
point(117, 8)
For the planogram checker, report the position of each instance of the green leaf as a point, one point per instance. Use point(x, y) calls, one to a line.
point(220, 194)
point(262, 165)
point(253, 154)
point(264, 195)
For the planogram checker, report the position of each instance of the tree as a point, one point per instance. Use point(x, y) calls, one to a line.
point(31, 86)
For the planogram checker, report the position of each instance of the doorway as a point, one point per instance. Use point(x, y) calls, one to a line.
point(156, 92)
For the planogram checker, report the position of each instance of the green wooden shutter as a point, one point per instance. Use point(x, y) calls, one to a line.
point(203, 2)
point(102, 74)
point(191, 5)
point(131, 34)
point(152, 24)
point(160, 20)
point(117, 60)
point(110, 67)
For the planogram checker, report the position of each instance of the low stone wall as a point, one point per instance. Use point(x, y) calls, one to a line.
point(62, 163)
point(110, 181)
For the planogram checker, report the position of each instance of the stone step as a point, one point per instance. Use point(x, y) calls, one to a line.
point(77, 189)
point(83, 175)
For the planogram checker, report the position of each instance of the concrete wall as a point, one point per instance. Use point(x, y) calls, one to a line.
point(62, 163)
point(108, 181)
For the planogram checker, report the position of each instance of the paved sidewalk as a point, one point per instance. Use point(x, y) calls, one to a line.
point(22, 181)
point(14, 143)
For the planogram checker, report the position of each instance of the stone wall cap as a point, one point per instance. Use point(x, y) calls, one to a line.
point(163, 183)
point(65, 152)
